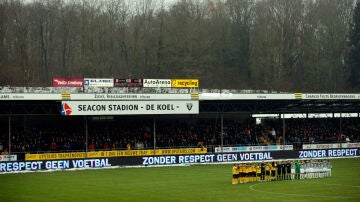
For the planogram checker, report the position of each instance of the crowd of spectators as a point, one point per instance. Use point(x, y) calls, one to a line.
point(175, 133)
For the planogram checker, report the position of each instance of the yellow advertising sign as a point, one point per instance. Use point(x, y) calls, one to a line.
point(185, 83)
point(114, 153)
point(48, 156)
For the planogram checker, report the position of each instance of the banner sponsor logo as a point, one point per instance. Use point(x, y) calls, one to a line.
point(65, 109)
point(321, 146)
point(99, 82)
point(130, 97)
point(350, 145)
point(331, 146)
point(30, 96)
point(254, 148)
point(115, 153)
point(128, 82)
point(66, 95)
point(185, 83)
point(157, 83)
point(324, 96)
point(55, 156)
point(68, 82)
point(298, 95)
point(194, 95)
point(8, 157)
point(130, 108)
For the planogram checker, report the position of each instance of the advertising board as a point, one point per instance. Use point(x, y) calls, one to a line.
point(128, 107)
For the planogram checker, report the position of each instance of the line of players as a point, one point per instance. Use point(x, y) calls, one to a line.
point(280, 170)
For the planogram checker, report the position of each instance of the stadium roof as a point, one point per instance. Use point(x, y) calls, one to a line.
point(47, 100)
point(44, 107)
point(281, 106)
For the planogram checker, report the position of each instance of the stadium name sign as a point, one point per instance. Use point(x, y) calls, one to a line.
point(128, 107)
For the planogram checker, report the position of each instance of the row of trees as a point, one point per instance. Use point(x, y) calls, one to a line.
point(287, 45)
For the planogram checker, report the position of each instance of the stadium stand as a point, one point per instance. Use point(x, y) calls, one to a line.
point(118, 133)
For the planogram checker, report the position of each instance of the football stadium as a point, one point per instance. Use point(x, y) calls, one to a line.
point(111, 139)
point(179, 100)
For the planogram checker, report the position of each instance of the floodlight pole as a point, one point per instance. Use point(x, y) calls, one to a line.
point(340, 125)
point(283, 132)
point(9, 134)
point(86, 136)
point(222, 131)
point(154, 136)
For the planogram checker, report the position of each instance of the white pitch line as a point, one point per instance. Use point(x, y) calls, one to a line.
point(287, 194)
point(331, 184)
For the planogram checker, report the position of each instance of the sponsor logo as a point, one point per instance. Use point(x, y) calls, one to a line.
point(65, 109)
point(189, 106)
point(68, 82)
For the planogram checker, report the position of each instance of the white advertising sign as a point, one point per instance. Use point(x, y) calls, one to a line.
point(128, 107)
point(99, 82)
point(254, 148)
point(30, 96)
point(157, 83)
point(8, 157)
point(245, 96)
point(331, 146)
point(131, 96)
point(321, 146)
point(324, 96)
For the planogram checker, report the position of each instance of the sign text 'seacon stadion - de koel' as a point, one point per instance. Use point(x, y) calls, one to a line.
point(83, 103)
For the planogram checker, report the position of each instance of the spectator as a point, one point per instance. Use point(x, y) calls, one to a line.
point(5, 152)
point(92, 146)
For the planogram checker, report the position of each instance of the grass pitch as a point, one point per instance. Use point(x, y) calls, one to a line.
point(187, 183)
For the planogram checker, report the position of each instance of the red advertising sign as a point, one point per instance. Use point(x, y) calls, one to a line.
point(68, 82)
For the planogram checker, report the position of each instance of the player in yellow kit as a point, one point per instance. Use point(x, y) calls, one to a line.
point(267, 171)
point(242, 173)
point(234, 175)
point(253, 172)
point(258, 172)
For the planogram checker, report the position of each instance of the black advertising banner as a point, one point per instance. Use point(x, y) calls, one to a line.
point(128, 82)
point(176, 159)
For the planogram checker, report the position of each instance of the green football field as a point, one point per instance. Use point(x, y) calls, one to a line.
point(179, 183)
